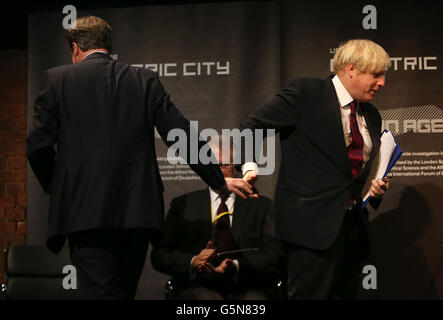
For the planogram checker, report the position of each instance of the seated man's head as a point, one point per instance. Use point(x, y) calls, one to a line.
point(223, 152)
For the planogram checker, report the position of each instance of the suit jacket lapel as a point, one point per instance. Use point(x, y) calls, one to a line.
point(238, 216)
point(375, 139)
point(333, 129)
point(200, 210)
point(372, 132)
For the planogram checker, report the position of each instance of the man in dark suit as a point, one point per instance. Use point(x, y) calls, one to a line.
point(190, 245)
point(106, 190)
point(330, 136)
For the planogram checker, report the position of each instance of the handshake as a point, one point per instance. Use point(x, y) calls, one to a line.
point(242, 186)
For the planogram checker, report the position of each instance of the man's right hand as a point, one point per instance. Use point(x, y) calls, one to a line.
point(203, 257)
point(250, 177)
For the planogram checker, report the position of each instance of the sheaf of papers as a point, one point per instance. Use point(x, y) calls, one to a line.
point(388, 155)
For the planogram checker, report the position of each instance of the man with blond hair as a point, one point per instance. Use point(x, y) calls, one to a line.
point(330, 136)
point(105, 186)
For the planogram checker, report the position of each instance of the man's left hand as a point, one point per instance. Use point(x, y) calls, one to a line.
point(240, 187)
point(379, 187)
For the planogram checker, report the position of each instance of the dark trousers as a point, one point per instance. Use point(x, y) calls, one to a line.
point(109, 262)
point(334, 273)
point(199, 291)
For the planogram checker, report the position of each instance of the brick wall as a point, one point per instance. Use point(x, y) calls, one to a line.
point(13, 88)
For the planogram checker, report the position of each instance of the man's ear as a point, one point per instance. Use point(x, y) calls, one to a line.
point(75, 52)
point(351, 70)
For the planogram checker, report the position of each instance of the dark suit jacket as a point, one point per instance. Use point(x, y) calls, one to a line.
point(188, 228)
point(101, 114)
point(315, 179)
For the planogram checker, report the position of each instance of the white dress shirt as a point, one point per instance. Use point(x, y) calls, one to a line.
point(95, 51)
point(215, 202)
point(344, 99)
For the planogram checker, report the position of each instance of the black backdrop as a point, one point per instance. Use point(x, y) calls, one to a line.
point(219, 61)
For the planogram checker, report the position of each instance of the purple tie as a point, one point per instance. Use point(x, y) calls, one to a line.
point(222, 229)
point(355, 149)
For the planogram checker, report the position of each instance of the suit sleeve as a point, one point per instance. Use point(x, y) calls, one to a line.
point(280, 113)
point(265, 265)
point(167, 118)
point(375, 202)
point(166, 257)
point(39, 144)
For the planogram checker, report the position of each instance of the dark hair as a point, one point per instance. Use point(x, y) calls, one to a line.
point(90, 33)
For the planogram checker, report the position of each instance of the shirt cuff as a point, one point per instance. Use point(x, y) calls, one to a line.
point(237, 267)
point(248, 166)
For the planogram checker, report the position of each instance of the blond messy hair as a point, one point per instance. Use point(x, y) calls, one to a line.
point(365, 55)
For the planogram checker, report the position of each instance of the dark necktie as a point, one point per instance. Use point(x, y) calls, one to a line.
point(222, 228)
point(355, 149)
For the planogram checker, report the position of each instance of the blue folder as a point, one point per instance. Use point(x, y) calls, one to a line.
point(396, 154)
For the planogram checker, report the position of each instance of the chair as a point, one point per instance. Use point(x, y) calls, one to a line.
point(35, 273)
point(170, 289)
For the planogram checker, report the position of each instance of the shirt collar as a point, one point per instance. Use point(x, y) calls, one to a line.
point(215, 196)
point(95, 51)
point(344, 98)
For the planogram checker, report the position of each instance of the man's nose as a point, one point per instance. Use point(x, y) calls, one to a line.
point(381, 82)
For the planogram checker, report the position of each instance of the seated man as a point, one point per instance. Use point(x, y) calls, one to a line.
point(202, 224)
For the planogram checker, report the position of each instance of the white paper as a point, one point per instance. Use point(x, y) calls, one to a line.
point(387, 147)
